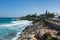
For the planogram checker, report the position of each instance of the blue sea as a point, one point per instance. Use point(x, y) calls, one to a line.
point(10, 28)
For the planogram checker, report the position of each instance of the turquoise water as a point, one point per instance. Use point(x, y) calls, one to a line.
point(9, 27)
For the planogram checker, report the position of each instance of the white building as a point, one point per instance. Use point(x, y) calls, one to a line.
point(57, 15)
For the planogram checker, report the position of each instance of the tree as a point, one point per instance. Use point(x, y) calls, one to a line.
point(49, 15)
point(34, 15)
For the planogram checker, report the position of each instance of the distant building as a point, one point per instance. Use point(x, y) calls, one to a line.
point(57, 15)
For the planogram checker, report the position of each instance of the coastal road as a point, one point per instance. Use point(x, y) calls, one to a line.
point(53, 23)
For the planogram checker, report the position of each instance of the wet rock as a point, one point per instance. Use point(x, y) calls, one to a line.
point(38, 35)
point(54, 38)
point(46, 36)
point(58, 34)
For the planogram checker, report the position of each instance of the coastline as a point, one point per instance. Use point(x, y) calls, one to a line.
point(31, 31)
point(18, 34)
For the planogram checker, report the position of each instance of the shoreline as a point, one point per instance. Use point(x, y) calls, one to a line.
point(30, 31)
point(18, 34)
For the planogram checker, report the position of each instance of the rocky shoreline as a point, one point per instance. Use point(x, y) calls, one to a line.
point(39, 31)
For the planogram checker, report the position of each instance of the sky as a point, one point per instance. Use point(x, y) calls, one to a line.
point(18, 8)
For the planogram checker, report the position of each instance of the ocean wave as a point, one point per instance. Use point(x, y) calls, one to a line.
point(13, 23)
point(18, 34)
point(16, 37)
point(17, 26)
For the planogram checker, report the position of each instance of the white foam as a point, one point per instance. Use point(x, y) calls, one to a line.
point(16, 37)
point(13, 23)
